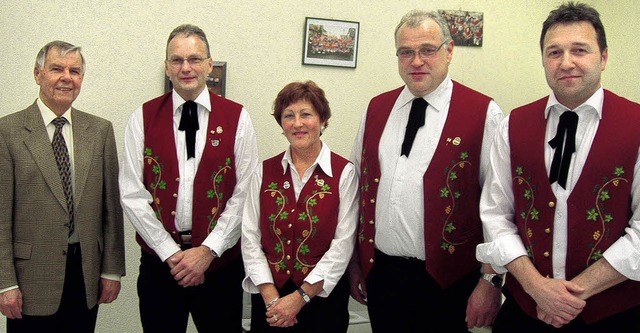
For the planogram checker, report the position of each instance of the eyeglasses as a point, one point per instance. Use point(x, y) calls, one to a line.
point(177, 62)
point(425, 52)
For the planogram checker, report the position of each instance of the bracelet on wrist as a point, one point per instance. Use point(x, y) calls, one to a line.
point(272, 302)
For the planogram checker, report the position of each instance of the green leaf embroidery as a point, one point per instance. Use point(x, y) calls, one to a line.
point(619, 171)
point(592, 215)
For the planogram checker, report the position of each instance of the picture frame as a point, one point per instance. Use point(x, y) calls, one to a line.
point(330, 42)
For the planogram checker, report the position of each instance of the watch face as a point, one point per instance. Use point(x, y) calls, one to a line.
point(496, 281)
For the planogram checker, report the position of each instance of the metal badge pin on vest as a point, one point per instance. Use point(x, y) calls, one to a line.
point(456, 141)
point(215, 143)
point(219, 129)
point(286, 185)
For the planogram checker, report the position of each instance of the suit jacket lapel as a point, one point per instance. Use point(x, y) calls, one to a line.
point(37, 141)
point(83, 143)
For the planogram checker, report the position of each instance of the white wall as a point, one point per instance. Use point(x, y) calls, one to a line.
point(261, 41)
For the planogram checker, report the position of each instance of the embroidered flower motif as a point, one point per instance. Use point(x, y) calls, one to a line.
point(598, 213)
point(158, 183)
point(530, 212)
point(450, 191)
point(300, 264)
point(216, 194)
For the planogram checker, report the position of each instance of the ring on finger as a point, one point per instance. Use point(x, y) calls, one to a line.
point(275, 317)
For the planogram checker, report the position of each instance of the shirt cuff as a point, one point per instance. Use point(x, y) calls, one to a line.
point(7, 289)
point(166, 249)
point(113, 277)
point(500, 252)
point(624, 258)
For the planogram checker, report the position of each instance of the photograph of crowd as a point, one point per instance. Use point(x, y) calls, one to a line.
point(465, 27)
point(330, 42)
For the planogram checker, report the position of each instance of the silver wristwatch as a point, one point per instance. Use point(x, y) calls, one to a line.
point(494, 279)
point(304, 295)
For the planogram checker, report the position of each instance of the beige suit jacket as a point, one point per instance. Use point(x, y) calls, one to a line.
point(33, 211)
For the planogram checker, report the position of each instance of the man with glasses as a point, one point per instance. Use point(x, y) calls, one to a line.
point(422, 150)
point(187, 158)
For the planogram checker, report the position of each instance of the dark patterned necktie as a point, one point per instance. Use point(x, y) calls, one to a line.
point(189, 124)
point(562, 156)
point(64, 165)
point(416, 120)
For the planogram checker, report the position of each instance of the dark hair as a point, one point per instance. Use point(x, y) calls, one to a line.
point(188, 30)
point(575, 12)
point(302, 91)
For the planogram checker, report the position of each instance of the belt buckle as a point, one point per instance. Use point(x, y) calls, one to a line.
point(185, 237)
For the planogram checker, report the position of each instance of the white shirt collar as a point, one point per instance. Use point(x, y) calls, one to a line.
point(323, 160)
point(48, 115)
point(203, 99)
point(437, 99)
point(592, 103)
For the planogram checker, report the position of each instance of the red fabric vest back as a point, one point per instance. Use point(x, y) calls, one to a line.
point(452, 226)
point(598, 206)
point(295, 235)
point(215, 178)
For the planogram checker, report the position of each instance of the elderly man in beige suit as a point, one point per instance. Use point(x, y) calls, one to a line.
point(61, 224)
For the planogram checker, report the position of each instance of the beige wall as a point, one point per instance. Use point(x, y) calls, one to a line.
point(124, 43)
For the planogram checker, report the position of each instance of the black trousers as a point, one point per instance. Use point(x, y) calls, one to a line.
point(403, 297)
point(73, 316)
point(511, 318)
point(321, 315)
point(215, 305)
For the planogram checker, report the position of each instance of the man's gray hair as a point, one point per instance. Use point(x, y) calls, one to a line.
point(416, 17)
point(188, 30)
point(63, 47)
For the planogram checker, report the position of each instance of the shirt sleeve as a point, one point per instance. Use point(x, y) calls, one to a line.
point(255, 262)
point(135, 198)
point(502, 241)
point(624, 254)
point(227, 231)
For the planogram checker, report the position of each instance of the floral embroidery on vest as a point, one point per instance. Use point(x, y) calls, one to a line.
point(307, 215)
point(364, 187)
point(598, 216)
point(158, 183)
point(450, 191)
point(530, 212)
point(216, 194)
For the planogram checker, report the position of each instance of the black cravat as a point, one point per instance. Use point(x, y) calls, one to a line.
point(61, 153)
point(189, 124)
point(416, 120)
point(562, 157)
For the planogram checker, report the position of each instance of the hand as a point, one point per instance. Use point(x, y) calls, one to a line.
point(283, 312)
point(189, 271)
point(357, 283)
point(557, 303)
point(11, 304)
point(109, 290)
point(483, 305)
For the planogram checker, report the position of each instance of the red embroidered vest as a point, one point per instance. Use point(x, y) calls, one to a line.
point(215, 178)
point(295, 235)
point(452, 226)
point(598, 207)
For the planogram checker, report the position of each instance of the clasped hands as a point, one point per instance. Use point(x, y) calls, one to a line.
point(283, 311)
point(558, 301)
point(188, 266)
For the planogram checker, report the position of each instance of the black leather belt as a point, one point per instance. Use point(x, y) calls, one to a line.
point(185, 237)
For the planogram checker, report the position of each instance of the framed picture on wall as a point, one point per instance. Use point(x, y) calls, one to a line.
point(466, 27)
point(330, 42)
